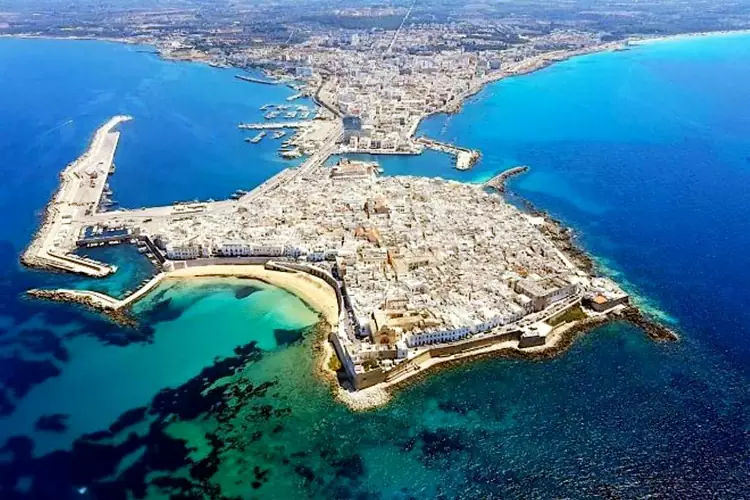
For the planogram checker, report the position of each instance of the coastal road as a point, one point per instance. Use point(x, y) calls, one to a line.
point(403, 21)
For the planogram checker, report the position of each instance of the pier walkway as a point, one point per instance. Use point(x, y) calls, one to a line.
point(255, 80)
point(346, 150)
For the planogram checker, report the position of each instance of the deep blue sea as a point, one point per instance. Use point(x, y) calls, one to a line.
point(645, 153)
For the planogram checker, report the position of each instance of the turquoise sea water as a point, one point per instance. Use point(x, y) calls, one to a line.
point(646, 153)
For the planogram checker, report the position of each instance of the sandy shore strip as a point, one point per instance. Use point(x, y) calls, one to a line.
point(313, 291)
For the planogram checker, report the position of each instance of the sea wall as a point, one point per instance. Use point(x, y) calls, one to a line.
point(415, 364)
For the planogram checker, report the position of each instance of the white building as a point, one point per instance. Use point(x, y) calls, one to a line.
point(233, 249)
point(183, 252)
point(437, 337)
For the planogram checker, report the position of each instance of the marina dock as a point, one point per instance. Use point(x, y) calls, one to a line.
point(257, 138)
point(465, 158)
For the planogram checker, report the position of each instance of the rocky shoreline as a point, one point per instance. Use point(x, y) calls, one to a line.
point(567, 338)
point(564, 238)
point(28, 257)
point(655, 330)
point(371, 399)
point(322, 353)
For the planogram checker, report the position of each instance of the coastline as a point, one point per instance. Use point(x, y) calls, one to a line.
point(564, 239)
point(314, 292)
point(546, 60)
point(685, 36)
point(561, 339)
point(223, 375)
point(313, 296)
point(536, 63)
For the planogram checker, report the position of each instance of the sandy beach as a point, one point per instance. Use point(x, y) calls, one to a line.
point(314, 292)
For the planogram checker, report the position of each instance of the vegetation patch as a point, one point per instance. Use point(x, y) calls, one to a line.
point(572, 314)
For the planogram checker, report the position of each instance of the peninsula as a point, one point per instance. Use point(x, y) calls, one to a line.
point(408, 272)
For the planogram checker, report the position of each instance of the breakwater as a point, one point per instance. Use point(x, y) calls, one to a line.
point(498, 181)
point(87, 300)
point(465, 158)
point(255, 80)
point(82, 184)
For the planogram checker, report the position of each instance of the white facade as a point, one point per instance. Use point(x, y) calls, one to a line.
point(233, 249)
point(426, 338)
point(183, 252)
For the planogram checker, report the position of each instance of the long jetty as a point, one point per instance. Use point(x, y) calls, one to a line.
point(254, 80)
point(498, 181)
point(82, 185)
point(180, 210)
point(274, 125)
